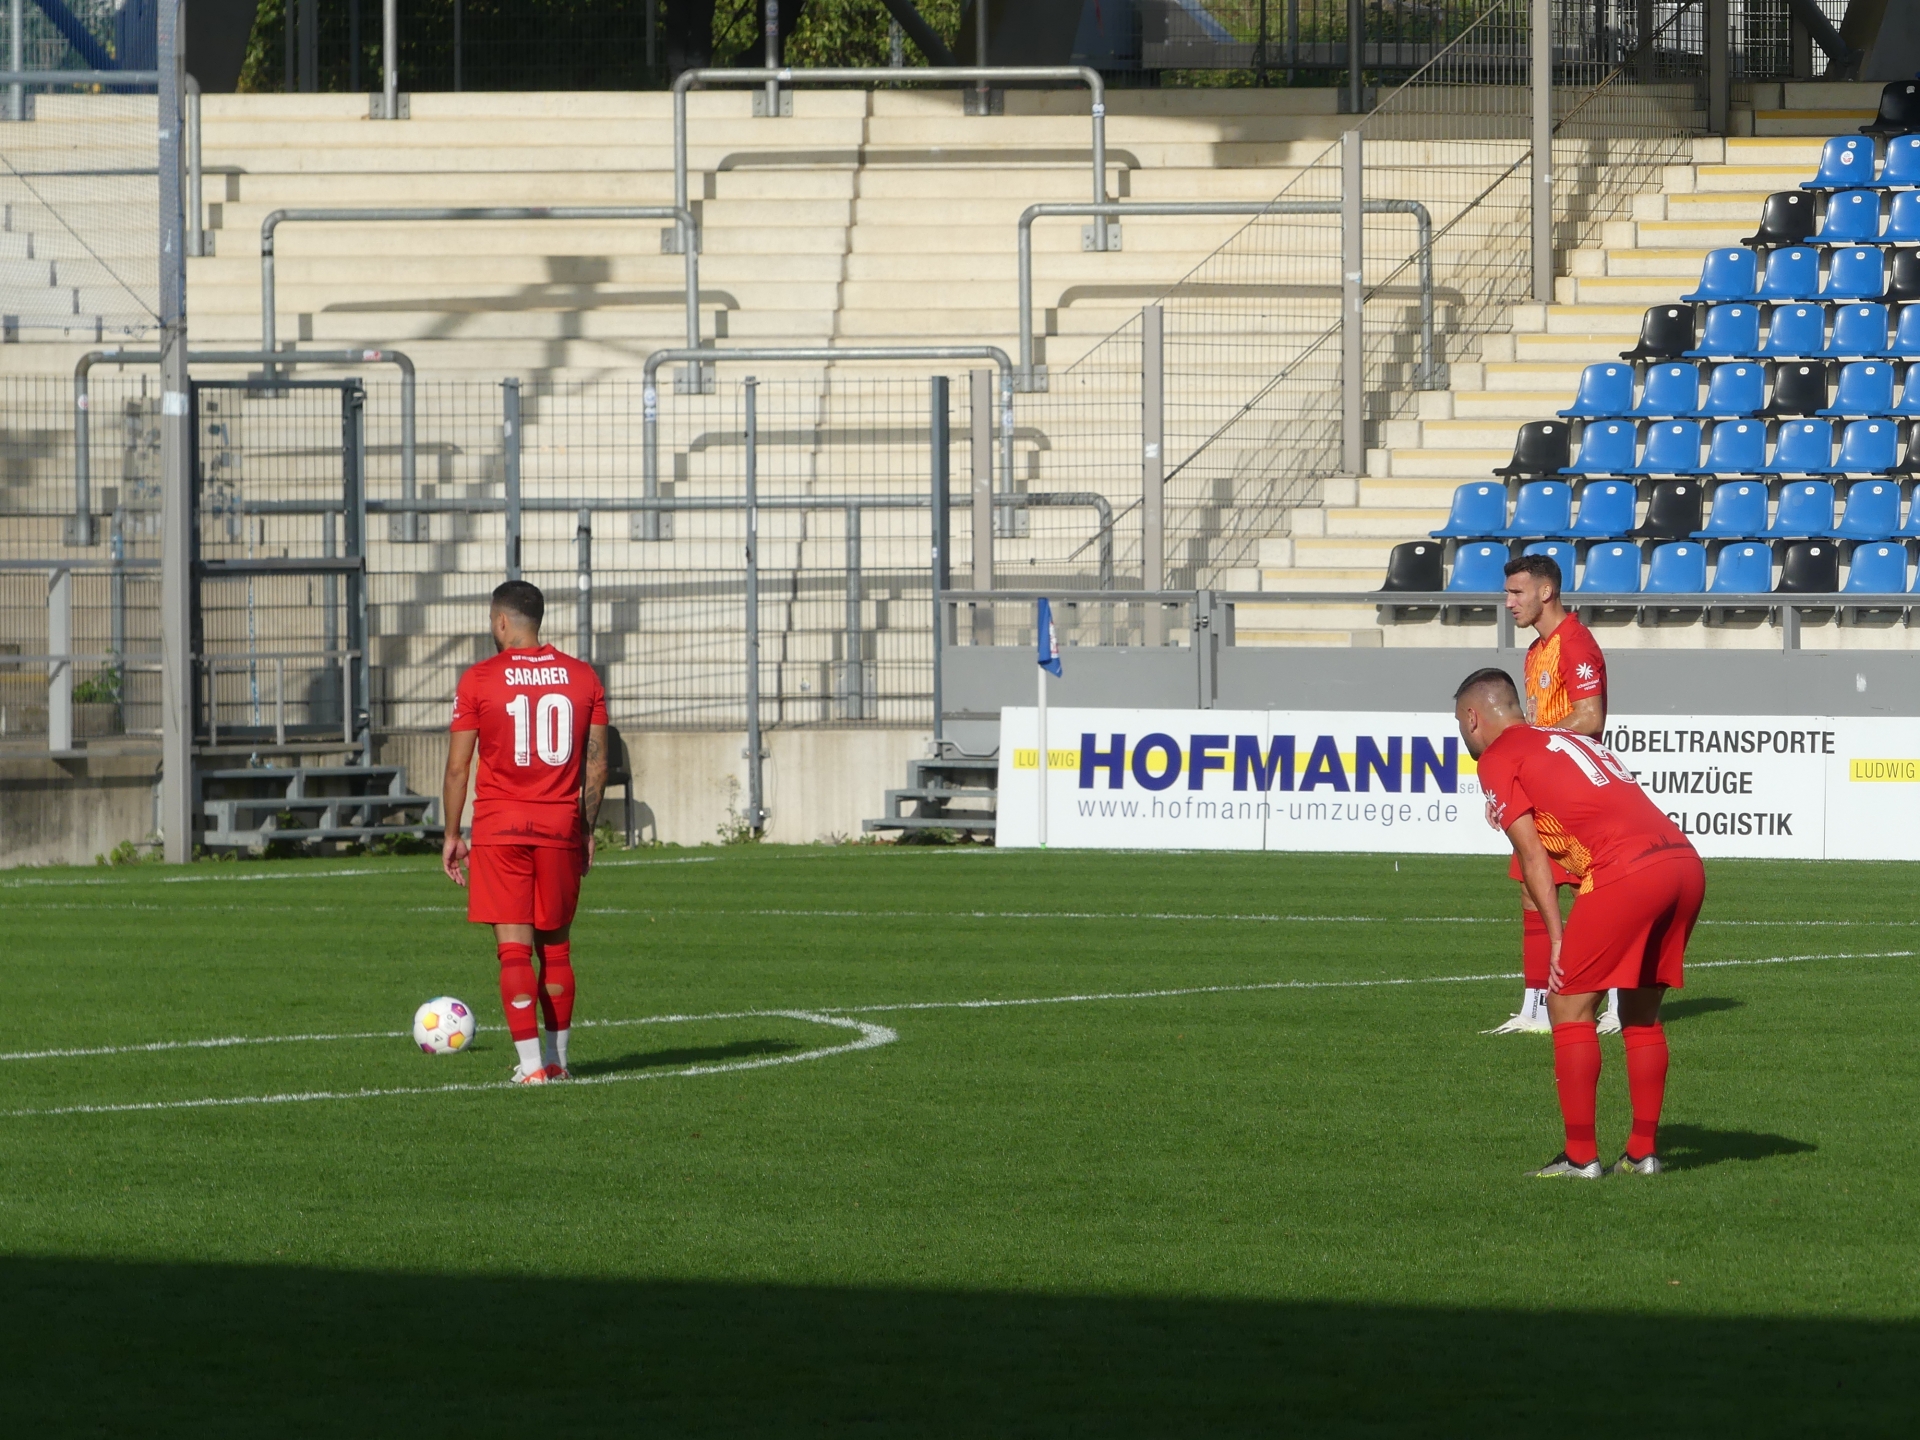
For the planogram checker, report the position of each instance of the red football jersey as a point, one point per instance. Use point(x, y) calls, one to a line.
point(1591, 813)
point(532, 709)
point(1565, 667)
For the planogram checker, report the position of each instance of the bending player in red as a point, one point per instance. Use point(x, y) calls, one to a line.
point(539, 721)
point(1567, 689)
point(1562, 797)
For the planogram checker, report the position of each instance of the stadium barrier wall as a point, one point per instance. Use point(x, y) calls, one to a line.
point(65, 810)
point(1765, 786)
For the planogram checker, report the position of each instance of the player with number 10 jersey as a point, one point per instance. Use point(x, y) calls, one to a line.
point(532, 708)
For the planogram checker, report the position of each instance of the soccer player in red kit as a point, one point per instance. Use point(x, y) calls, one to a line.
point(1567, 689)
point(539, 721)
point(1564, 798)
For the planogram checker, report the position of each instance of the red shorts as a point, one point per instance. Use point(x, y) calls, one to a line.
point(1632, 933)
point(537, 885)
point(1560, 876)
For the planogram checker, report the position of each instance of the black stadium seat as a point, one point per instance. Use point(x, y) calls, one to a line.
point(1810, 567)
point(1799, 389)
point(1673, 511)
point(1415, 565)
point(1665, 334)
point(1541, 451)
point(1899, 110)
point(1785, 219)
point(1903, 287)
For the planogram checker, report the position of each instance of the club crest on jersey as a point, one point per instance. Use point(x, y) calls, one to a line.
point(1546, 680)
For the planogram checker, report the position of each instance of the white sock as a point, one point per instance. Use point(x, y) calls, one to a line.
point(530, 1060)
point(1613, 1001)
point(1533, 1005)
point(560, 1038)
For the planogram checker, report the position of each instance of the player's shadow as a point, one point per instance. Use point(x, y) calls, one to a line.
point(1694, 1147)
point(687, 1055)
point(1698, 1005)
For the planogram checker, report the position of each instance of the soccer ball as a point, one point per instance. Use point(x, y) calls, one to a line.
point(443, 1026)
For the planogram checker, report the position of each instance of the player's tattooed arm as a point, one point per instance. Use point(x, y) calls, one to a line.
point(594, 787)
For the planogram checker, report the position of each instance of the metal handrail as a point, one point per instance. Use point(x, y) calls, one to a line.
point(863, 75)
point(213, 663)
point(1428, 373)
point(79, 77)
point(678, 213)
point(82, 402)
point(650, 395)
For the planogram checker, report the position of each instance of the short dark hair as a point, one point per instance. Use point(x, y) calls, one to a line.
point(1493, 678)
point(1541, 567)
point(517, 597)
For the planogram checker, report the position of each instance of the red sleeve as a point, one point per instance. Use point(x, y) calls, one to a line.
point(1583, 669)
point(466, 704)
point(1500, 783)
point(597, 711)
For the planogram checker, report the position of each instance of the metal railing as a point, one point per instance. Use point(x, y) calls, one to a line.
point(213, 665)
point(678, 213)
point(772, 78)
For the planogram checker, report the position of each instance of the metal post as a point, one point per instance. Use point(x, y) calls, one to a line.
point(310, 46)
point(1356, 55)
point(176, 511)
point(459, 44)
point(939, 470)
point(982, 90)
point(1353, 440)
point(279, 699)
point(117, 592)
point(583, 584)
point(330, 617)
point(354, 535)
point(855, 666)
point(1205, 629)
point(653, 61)
point(293, 43)
point(196, 201)
point(60, 668)
point(1153, 460)
point(353, 42)
point(390, 58)
point(510, 448)
point(896, 45)
point(773, 58)
point(1789, 628)
point(16, 58)
point(1541, 41)
point(1643, 40)
point(1799, 48)
point(756, 812)
point(1719, 69)
point(651, 527)
point(980, 445)
point(1040, 728)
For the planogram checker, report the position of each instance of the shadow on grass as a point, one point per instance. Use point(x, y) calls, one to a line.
point(1698, 1005)
point(688, 1055)
point(1694, 1147)
point(211, 1351)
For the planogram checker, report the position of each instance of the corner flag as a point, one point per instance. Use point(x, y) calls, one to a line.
point(1049, 642)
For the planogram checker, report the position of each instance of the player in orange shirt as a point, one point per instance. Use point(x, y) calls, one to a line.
point(1565, 799)
point(539, 722)
point(1567, 689)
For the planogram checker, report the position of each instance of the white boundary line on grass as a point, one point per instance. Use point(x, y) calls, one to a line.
point(315, 874)
point(871, 1036)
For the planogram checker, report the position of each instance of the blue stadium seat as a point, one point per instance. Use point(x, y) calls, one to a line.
point(1543, 507)
point(1845, 162)
point(1728, 275)
point(1909, 406)
point(1606, 511)
point(1742, 570)
point(1791, 275)
point(1735, 391)
point(1906, 334)
point(1902, 165)
point(1612, 569)
point(1732, 333)
point(1804, 447)
point(1605, 391)
point(1562, 552)
point(1478, 511)
point(1806, 510)
point(1739, 512)
point(1868, 447)
point(1865, 388)
point(1736, 447)
point(1877, 570)
point(1856, 274)
point(1853, 218)
point(1673, 448)
point(1903, 221)
point(1479, 568)
point(1859, 332)
point(1606, 448)
point(1795, 333)
point(1679, 568)
point(1873, 511)
point(1671, 391)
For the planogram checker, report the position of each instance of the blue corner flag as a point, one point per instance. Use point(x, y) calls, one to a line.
point(1049, 656)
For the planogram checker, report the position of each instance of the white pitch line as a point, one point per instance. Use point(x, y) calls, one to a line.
point(871, 1037)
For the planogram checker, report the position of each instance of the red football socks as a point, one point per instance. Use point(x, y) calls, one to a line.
point(1576, 1071)
point(1536, 949)
point(517, 991)
point(1646, 1083)
point(556, 986)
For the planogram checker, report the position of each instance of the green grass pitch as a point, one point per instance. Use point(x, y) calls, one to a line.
point(1286, 1210)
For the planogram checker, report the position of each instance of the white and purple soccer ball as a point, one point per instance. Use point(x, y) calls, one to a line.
point(443, 1026)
